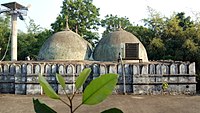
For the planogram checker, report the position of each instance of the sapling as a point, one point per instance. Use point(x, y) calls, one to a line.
point(164, 87)
point(95, 92)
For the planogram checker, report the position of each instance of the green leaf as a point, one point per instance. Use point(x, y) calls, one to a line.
point(41, 107)
point(61, 80)
point(82, 77)
point(47, 88)
point(99, 89)
point(113, 110)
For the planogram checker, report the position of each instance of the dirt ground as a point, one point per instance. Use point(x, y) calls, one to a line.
point(128, 103)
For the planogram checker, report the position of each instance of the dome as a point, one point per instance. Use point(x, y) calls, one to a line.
point(65, 45)
point(109, 47)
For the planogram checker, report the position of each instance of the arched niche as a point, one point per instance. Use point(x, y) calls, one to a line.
point(61, 69)
point(165, 69)
point(119, 69)
point(158, 69)
point(151, 69)
point(18, 69)
point(128, 69)
point(53, 69)
point(29, 69)
point(136, 69)
point(173, 69)
point(38, 69)
point(79, 68)
point(95, 68)
point(12, 69)
point(70, 69)
point(144, 70)
point(103, 69)
point(24, 68)
point(183, 69)
point(6, 68)
point(48, 69)
point(112, 69)
point(192, 70)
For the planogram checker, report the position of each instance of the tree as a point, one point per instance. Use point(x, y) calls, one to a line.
point(158, 48)
point(30, 43)
point(32, 28)
point(155, 22)
point(83, 18)
point(112, 23)
point(173, 32)
point(185, 22)
point(5, 35)
point(145, 35)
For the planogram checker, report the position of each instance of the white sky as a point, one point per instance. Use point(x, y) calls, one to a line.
point(44, 12)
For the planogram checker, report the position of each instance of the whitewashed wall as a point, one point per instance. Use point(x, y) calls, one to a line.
point(22, 77)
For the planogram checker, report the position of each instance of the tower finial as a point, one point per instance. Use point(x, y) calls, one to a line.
point(67, 26)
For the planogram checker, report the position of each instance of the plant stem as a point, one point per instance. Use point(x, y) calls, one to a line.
point(71, 106)
point(66, 94)
point(64, 102)
point(77, 107)
point(73, 95)
point(70, 101)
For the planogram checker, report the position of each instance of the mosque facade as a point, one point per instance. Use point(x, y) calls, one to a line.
point(120, 52)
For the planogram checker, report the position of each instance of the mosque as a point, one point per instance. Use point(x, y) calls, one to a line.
point(120, 52)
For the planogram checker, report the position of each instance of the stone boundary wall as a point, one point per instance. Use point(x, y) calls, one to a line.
point(140, 78)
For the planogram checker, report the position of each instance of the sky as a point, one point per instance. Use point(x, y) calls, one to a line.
point(44, 12)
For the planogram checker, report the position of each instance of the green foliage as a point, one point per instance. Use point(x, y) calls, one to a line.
point(165, 85)
point(99, 89)
point(158, 47)
point(175, 38)
point(95, 92)
point(41, 107)
point(32, 28)
point(185, 22)
point(48, 90)
point(113, 110)
point(5, 34)
point(82, 77)
point(144, 34)
point(30, 43)
point(155, 22)
point(191, 46)
point(112, 23)
point(157, 43)
point(83, 18)
point(61, 80)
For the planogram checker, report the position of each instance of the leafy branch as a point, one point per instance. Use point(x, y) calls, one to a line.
point(97, 91)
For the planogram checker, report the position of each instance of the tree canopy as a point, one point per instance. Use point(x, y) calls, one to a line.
point(112, 23)
point(83, 18)
point(4, 37)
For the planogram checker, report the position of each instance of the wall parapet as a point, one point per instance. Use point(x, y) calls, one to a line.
point(21, 77)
